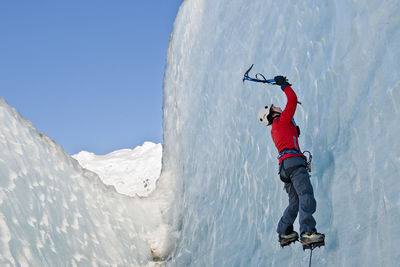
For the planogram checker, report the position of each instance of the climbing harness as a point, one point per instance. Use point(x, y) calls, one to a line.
point(297, 152)
point(289, 151)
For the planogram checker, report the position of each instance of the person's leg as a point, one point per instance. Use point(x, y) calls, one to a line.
point(285, 225)
point(307, 204)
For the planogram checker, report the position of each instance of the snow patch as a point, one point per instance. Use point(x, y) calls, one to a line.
point(131, 171)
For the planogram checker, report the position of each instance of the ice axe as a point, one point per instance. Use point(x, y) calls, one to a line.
point(257, 79)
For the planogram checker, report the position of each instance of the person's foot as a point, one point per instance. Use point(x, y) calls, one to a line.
point(312, 240)
point(286, 240)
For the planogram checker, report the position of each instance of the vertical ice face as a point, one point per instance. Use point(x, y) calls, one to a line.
point(53, 212)
point(343, 59)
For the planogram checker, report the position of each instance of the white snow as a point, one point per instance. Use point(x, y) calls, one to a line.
point(55, 213)
point(131, 171)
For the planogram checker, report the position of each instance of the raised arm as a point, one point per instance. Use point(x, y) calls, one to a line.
point(290, 109)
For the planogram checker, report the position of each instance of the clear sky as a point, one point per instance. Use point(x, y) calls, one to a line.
point(87, 73)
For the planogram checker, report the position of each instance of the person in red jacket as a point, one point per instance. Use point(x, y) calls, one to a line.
point(292, 170)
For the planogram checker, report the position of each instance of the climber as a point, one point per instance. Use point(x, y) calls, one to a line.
point(292, 171)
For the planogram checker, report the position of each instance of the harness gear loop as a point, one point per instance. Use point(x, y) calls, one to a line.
point(308, 161)
point(294, 151)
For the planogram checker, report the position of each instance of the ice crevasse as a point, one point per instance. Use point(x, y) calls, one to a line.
point(219, 198)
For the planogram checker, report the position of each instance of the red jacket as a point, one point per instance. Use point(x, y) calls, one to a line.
point(284, 132)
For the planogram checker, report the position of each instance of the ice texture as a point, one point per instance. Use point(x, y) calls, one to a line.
point(343, 59)
point(55, 213)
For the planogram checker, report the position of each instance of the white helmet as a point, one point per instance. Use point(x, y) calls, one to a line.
point(263, 114)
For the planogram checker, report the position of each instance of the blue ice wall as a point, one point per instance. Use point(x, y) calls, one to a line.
point(343, 59)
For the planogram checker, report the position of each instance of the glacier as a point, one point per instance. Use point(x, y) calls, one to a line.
point(53, 212)
point(219, 198)
point(133, 172)
point(343, 59)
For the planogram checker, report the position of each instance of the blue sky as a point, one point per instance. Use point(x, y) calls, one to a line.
point(87, 73)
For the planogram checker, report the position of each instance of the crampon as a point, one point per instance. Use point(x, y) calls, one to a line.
point(313, 245)
point(286, 240)
point(287, 243)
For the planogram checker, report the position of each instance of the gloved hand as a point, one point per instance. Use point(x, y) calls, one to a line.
point(282, 82)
